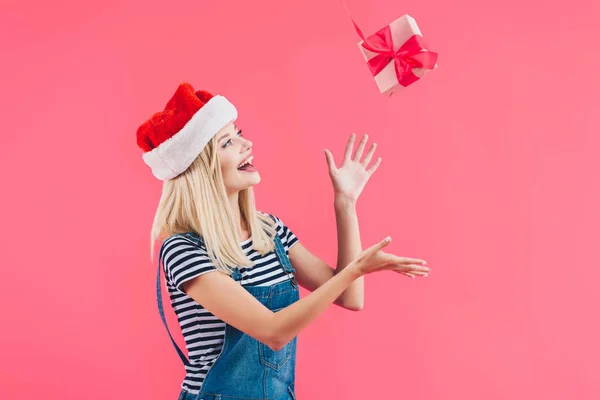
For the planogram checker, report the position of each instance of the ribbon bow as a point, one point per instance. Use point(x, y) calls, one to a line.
point(412, 53)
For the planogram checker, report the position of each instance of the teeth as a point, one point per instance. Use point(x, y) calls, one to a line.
point(246, 162)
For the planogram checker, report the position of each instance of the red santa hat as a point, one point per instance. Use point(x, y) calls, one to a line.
point(173, 138)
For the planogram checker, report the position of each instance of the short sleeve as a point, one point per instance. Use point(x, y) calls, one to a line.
point(183, 261)
point(285, 233)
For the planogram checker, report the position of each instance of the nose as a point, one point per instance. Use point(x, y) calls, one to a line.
point(247, 144)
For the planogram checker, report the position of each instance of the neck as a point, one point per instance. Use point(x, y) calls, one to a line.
point(235, 211)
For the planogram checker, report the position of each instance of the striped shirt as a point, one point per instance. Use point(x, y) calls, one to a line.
point(203, 332)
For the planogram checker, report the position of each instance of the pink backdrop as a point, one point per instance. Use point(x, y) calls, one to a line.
point(490, 173)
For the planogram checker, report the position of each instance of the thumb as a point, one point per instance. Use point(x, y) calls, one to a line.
point(330, 161)
point(385, 241)
point(381, 244)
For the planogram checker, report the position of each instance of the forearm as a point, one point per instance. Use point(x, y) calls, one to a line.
point(349, 247)
point(288, 322)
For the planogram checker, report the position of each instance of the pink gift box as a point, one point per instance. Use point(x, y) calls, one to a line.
point(401, 30)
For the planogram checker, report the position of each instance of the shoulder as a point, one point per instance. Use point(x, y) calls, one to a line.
point(283, 231)
point(269, 215)
point(180, 242)
point(279, 225)
point(183, 259)
point(179, 249)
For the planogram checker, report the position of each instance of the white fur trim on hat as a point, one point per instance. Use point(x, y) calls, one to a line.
point(176, 154)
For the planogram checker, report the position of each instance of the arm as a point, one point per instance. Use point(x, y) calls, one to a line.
point(312, 272)
point(348, 182)
point(349, 247)
point(230, 302)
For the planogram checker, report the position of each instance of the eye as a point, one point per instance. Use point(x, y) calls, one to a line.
point(229, 140)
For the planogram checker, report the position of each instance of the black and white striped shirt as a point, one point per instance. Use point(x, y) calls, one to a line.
point(202, 331)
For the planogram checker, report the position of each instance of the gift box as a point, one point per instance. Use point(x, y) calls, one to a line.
point(397, 55)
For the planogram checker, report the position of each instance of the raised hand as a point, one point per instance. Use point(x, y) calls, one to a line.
point(351, 177)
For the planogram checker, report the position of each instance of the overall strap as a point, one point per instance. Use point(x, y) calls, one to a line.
point(162, 314)
point(283, 258)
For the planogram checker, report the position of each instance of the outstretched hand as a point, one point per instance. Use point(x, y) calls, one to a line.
point(351, 177)
point(374, 259)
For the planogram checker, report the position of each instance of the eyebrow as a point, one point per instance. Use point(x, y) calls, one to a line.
point(227, 134)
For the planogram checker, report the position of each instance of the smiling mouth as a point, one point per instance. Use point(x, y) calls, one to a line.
point(246, 164)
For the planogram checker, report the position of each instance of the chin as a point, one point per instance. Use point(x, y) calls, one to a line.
point(255, 180)
point(250, 181)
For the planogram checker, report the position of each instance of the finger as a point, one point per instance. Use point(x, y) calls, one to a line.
point(330, 161)
point(374, 166)
point(408, 260)
point(381, 244)
point(349, 147)
point(419, 273)
point(418, 268)
point(367, 159)
point(413, 268)
point(412, 273)
point(361, 147)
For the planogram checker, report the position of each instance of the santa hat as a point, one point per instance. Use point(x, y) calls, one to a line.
point(173, 138)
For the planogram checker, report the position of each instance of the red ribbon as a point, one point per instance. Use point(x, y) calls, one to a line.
point(412, 54)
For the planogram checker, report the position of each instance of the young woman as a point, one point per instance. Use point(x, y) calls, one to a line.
point(232, 272)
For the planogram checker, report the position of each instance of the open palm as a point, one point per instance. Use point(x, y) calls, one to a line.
point(351, 177)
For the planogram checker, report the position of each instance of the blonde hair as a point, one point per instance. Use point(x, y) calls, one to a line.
point(196, 201)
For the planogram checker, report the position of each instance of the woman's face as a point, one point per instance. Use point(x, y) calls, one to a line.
point(234, 150)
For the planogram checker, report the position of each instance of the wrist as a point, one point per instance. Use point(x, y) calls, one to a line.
point(343, 202)
point(355, 269)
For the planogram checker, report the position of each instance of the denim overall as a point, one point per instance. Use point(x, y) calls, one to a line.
point(247, 369)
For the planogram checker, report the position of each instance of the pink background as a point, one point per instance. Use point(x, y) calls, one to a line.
point(490, 173)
